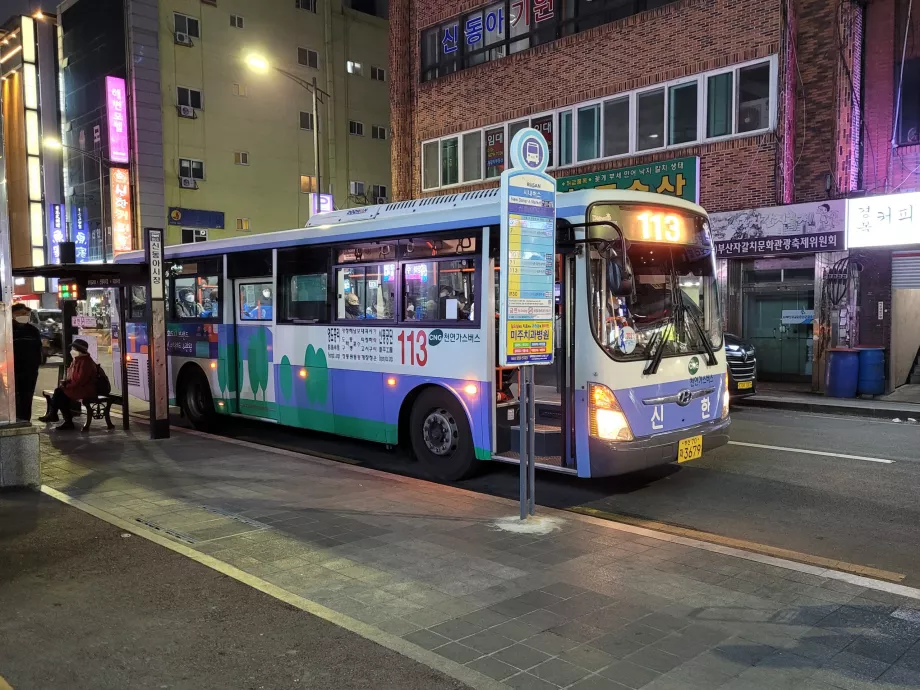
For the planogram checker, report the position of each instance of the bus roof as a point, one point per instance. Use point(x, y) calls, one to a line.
point(432, 214)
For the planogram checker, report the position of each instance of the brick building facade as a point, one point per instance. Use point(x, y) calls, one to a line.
point(805, 149)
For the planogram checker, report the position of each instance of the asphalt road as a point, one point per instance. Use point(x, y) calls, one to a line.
point(855, 510)
point(86, 607)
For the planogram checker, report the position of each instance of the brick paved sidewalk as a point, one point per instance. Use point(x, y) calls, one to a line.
point(426, 571)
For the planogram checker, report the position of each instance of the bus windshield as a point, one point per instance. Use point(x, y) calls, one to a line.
point(674, 303)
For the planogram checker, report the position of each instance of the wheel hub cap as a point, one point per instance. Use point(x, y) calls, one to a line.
point(440, 432)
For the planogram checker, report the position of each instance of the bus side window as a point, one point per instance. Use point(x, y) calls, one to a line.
point(366, 292)
point(138, 308)
point(456, 290)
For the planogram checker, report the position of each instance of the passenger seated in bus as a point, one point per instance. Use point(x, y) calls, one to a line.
point(262, 309)
point(186, 306)
point(352, 306)
point(212, 305)
point(410, 312)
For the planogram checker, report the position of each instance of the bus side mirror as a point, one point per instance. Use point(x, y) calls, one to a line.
point(619, 276)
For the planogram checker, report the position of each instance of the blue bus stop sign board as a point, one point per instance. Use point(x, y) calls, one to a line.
point(527, 254)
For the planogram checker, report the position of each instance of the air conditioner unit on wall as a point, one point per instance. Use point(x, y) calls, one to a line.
point(183, 39)
point(381, 200)
point(188, 183)
point(755, 115)
point(187, 111)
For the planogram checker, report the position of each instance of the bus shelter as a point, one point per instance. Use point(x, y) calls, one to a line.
point(119, 289)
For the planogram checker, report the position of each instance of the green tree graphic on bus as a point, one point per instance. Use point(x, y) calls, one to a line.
point(257, 363)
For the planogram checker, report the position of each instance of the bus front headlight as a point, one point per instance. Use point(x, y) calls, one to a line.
point(725, 400)
point(605, 416)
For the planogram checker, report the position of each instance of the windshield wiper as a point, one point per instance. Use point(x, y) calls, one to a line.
point(658, 345)
point(710, 351)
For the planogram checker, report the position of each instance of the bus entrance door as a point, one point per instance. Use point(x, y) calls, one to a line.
point(554, 391)
point(254, 323)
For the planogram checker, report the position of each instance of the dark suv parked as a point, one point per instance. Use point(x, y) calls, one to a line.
point(742, 366)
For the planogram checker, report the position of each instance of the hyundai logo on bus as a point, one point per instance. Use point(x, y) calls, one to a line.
point(684, 397)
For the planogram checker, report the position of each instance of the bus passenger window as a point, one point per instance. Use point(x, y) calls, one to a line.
point(187, 304)
point(305, 299)
point(456, 290)
point(420, 289)
point(366, 292)
point(138, 309)
point(209, 295)
point(256, 302)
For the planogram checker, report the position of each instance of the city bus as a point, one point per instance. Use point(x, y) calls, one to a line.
point(380, 323)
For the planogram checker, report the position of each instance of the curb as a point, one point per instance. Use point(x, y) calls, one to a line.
point(830, 408)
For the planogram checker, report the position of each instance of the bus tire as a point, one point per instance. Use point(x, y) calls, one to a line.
point(196, 401)
point(440, 435)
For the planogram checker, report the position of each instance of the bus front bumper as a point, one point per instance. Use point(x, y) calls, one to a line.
point(609, 458)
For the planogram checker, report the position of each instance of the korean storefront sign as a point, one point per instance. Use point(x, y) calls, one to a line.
point(121, 210)
point(528, 249)
point(196, 218)
point(79, 234)
point(772, 230)
point(57, 236)
point(116, 101)
point(884, 221)
point(677, 177)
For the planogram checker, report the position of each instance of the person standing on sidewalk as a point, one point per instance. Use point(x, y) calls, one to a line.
point(79, 383)
point(27, 358)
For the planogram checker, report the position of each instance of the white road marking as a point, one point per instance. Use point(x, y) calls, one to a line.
point(811, 452)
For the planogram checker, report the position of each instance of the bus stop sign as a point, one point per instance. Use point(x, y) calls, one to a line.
point(527, 251)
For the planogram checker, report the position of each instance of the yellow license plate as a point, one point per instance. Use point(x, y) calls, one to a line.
point(690, 449)
point(745, 384)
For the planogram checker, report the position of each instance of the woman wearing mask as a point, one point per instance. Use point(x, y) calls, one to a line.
point(79, 383)
point(187, 307)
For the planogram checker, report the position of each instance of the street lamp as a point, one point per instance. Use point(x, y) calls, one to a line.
point(258, 63)
point(56, 145)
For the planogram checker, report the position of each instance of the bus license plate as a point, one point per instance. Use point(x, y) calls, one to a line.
point(690, 449)
point(745, 384)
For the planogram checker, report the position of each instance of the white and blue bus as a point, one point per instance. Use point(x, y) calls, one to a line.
point(379, 323)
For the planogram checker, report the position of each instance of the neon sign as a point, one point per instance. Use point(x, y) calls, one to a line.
point(116, 102)
point(121, 210)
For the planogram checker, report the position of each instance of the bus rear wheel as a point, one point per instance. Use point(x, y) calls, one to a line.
point(196, 401)
point(441, 437)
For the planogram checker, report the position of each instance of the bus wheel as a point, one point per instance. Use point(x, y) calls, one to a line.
point(196, 401)
point(440, 435)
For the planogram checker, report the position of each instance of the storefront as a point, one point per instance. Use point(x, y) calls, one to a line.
point(881, 229)
point(773, 263)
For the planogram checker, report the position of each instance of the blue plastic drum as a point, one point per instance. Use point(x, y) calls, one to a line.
point(871, 370)
point(842, 374)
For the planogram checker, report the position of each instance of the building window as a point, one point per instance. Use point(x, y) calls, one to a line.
point(354, 68)
point(719, 104)
point(356, 128)
point(378, 132)
point(650, 120)
point(240, 90)
point(308, 5)
point(732, 102)
point(616, 126)
point(378, 74)
point(189, 167)
point(356, 188)
point(192, 235)
point(187, 25)
point(504, 28)
point(236, 21)
point(472, 156)
point(683, 107)
point(754, 98)
point(307, 184)
point(380, 193)
point(242, 224)
point(306, 120)
point(188, 97)
point(308, 58)
point(909, 113)
point(241, 157)
point(589, 129)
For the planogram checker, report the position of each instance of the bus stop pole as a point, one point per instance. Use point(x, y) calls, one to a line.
point(525, 437)
point(528, 440)
point(125, 294)
point(156, 335)
point(531, 440)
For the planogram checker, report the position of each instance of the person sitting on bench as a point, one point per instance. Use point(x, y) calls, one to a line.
point(79, 384)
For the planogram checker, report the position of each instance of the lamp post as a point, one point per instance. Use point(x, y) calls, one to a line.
point(258, 63)
point(56, 145)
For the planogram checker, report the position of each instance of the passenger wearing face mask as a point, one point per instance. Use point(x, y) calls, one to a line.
point(79, 383)
point(27, 358)
point(186, 306)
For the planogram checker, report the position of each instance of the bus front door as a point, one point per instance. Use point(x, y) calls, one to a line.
point(254, 320)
